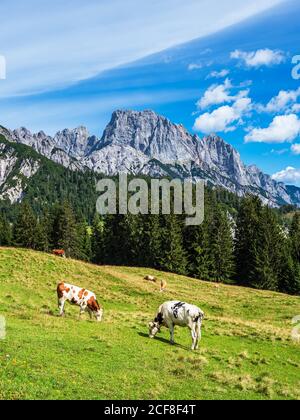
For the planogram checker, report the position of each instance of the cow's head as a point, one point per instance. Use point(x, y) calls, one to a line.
point(154, 328)
point(99, 314)
point(95, 308)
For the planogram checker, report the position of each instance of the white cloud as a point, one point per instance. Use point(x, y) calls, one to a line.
point(220, 94)
point(223, 118)
point(283, 101)
point(283, 128)
point(216, 95)
point(259, 58)
point(296, 108)
point(289, 175)
point(194, 66)
point(218, 74)
point(296, 149)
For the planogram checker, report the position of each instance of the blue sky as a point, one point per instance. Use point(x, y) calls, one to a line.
point(214, 66)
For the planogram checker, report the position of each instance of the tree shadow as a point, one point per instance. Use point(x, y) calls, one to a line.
point(163, 340)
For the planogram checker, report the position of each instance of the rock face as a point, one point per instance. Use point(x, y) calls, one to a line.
point(146, 143)
point(14, 172)
point(76, 143)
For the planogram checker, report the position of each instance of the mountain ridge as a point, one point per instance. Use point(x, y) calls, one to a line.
point(145, 143)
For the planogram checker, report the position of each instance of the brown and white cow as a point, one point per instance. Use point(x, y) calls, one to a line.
point(83, 298)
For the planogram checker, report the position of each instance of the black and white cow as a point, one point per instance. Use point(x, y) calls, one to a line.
point(182, 314)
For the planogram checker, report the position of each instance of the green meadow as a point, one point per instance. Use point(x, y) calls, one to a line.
point(246, 351)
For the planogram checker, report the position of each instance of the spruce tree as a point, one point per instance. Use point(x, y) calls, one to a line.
point(97, 240)
point(85, 233)
point(221, 247)
point(173, 258)
point(64, 231)
point(289, 278)
point(248, 221)
point(197, 245)
point(5, 232)
point(151, 241)
point(295, 237)
point(269, 243)
point(117, 240)
point(26, 227)
point(43, 231)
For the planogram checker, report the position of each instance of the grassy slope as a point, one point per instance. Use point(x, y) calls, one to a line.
point(246, 350)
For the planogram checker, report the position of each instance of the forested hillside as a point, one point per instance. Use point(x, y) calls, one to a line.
point(250, 246)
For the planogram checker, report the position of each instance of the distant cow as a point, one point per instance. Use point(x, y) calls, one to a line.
point(153, 279)
point(182, 314)
point(83, 298)
point(163, 285)
point(59, 253)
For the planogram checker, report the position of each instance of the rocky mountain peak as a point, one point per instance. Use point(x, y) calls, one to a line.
point(151, 134)
point(143, 142)
point(76, 143)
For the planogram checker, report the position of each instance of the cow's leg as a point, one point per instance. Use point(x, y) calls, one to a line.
point(61, 306)
point(192, 327)
point(82, 311)
point(172, 329)
point(198, 331)
point(90, 312)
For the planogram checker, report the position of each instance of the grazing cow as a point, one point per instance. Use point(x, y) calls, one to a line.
point(83, 298)
point(151, 278)
point(163, 283)
point(59, 253)
point(182, 314)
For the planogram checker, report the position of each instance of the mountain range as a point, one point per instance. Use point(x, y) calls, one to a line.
point(139, 143)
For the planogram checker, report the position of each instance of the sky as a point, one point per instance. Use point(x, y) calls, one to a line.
point(223, 67)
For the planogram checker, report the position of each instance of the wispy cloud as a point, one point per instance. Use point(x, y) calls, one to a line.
point(218, 74)
point(49, 45)
point(195, 66)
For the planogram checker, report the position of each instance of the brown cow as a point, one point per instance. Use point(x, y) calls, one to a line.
point(59, 253)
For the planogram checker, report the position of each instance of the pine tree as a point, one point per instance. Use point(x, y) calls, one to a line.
point(150, 241)
point(269, 242)
point(64, 231)
point(5, 232)
point(289, 279)
point(117, 240)
point(97, 240)
point(25, 227)
point(42, 235)
point(248, 221)
point(295, 237)
point(173, 258)
point(85, 241)
point(221, 247)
